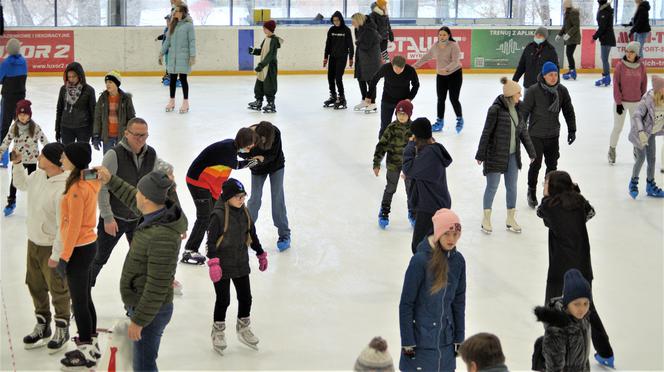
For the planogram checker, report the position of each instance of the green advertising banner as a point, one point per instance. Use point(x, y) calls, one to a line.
point(502, 48)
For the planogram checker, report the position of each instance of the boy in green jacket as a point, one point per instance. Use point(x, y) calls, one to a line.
point(266, 80)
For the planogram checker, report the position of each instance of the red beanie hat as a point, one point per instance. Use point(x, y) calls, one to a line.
point(405, 106)
point(270, 25)
point(23, 107)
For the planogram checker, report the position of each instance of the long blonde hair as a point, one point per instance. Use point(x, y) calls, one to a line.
point(359, 18)
point(659, 98)
point(438, 268)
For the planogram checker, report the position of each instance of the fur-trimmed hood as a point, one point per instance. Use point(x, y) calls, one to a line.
point(552, 316)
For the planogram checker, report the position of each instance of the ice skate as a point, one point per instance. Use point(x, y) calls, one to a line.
point(634, 187)
point(60, 337)
point(330, 102)
point(270, 108)
point(185, 107)
point(486, 222)
point(341, 104)
point(360, 106)
point(532, 198)
point(438, 125)
point(411, 219)
point(607, 362)
point(653, 190)
point(219, 337)
point(459, 125)
point(371, 109)
point(511, 222)
point(170, 106)
point(612, 155)
point(256, 105)
point(40, 334)
point(10, 207)
point(283, 244)
point(244, 333)
point(192, 258)
point(571, 74)
point(80, 359)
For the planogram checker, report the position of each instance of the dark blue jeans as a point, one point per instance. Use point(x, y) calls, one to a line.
point(147, 348)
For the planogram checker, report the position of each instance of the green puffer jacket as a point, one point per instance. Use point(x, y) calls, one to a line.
point(149, 268)
point(392, 142)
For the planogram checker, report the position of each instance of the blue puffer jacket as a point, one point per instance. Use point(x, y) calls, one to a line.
point(13, 74)
point(432, 323)
point(180, 46)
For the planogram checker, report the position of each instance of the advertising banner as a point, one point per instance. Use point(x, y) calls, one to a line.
point(502, 48)
point(413, 43)
point(653, 50)
point(44, 50)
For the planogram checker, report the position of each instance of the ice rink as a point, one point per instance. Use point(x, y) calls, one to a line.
point(320, 303)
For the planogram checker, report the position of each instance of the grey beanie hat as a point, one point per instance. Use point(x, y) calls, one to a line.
point(154, 186)
point(633, 46)
point(541, 30)
point(13, 46)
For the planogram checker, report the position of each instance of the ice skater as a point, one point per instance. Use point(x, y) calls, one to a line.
point(571, 35)
point(607, 39)
point(338, 49)
point(266, 69)
point(380, 18)
point(367, 58)
point(113, 111)
point(534, 56)
point(13, 75)
point(75, 111)
point(639, 25)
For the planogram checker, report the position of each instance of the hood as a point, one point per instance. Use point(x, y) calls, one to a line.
point(440, 152)
point(341, 18)
point(16, 59)
point(502, 102)
point(553, 316)
point(93, 186)
point(173, 218)
point(78, 69)
point(645, 6)
point(279, 41)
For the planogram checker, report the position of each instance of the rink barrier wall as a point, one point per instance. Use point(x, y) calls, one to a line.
point(220, 50)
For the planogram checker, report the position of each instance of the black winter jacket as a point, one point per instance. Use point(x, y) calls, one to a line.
point(427, 171)
point(82, 113)
point(605, 26)
point(532, 59)
point(339, 42)
point(543, 123)
point(494, 147)
point(382, 23)
point(641, 21)
point(274, 159)
point(367, 55)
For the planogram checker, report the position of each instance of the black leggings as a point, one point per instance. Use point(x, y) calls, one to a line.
point(12, 190)
point(335, 73)
point(451, 83)
point(569, 51)
point(223, 290)
point(78, 280)
point(173, 84)
point(364, 89)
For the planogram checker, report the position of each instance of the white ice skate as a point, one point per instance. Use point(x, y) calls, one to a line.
point(371, 109)
point(244, 333)
point(360, 106)
point(218, 337)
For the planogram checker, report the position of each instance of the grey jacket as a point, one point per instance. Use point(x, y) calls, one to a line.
point(566, 345)
point(125, 113)
point(180, 46)
point(543, 123)
point(643, 119)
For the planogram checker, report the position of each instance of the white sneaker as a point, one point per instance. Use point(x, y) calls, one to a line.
point(360, 106)
point(218, 336)
point(371, 108)
point(244, 333)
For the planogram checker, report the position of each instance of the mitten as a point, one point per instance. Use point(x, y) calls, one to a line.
point(566, 37)
point(258, 68)
point(61, 269)
point(215, 269)
point(620, 109)
point(571, 137)
point(408, 351)
point(96, 142)
point(324, 62)
point(262, 261)
point(251, 50)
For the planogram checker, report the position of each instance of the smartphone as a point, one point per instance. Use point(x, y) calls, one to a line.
point(89, 174)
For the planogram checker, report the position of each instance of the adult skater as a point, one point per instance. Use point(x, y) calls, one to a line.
point(449, 76)
point(401, 83)
point(113, 110)
point(367, 57)
point(166, 79)
point(630, 83)
point(433, 300)
point(534, 56)
point(647, 122)
point(149, 268)
point(571, 35)
point(131, 159)
point(272, 164)
point(499, 151)
point(425, 163)
point(75, 111)
point(541, 109)
point(607, 39)
point(380, 18)
point(180, 45)
point(566, 212)
point(45, 187)
point(267, 69)
point(338, 49)
point(13, 75)
point(206, 174)
point(483, 353)
point(640, 24)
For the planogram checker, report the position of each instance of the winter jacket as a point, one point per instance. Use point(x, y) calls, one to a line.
point(213, 166)
point(532, 59)
point(126, 112)
point(13, 75)
point(605, 26)
point(180, 46)
point(640, 23)
point(274, 158)
point(146, 283)
point(448, 57)
point(339, 42)
point(543, 123)
point(426, 169)
point(643, 120)
point(382, 22)
point(566, 344)
point(494, 147)
point(630, 83)
point(393, 142)
point(569, 245)
point(432, 323)
point(367, 55)
point(231, 249)
point(81, 114)
point(78, 217)
point(397, 87)
point(25, 144)
point(267, 69)
point(571, 27)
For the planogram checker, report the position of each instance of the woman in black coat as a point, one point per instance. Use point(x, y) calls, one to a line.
point(607, 39)
point(565, 212)
point(640, 23)
point(500, 152)
point(367, 56)
point(76, 107)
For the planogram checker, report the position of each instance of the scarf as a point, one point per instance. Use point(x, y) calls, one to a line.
point(632, 65)
point(72, 94)
point(555, 105)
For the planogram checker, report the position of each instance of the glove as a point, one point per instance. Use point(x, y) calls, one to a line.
point(571, 137)
point(192, 61)
point(620, 109)
point(643, 137)
point(96, 142)
point(251, 50)
point(566, 37)
point(161, 60)
point(557, 37)
point(324, 62)
point(350, 62)
point(57, 137)
point(61, 269)
point(408, 351)
point(262, 261)
point(215, 269)
point(258, 68)
point(595, 37)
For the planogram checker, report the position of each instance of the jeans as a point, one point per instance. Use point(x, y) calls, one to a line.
point(222, 289)
point(12, 190)
point(386, 114)
point(641, 38)
point(547, 148)
point(279, 216)
point(71, 135)
point(423, 228)
point(451, 83)
point(493, 179)
point(390, 188)
point(146, 349)
point(107, 145)
point(619, 121)
point(569, 51)
point(78, 280)
point(172, 85)
point(106, 243)
point(204, 203)
point(649, 153)
point(606, 65)
point(335, 74)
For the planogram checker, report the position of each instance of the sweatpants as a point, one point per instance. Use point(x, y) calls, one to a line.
point(392, 178)
point(451, 83)
point(42, 281)
point(619, 121)
point(547, 148)
point(364, 90)
point(279, 215)
point(78, 279)
point(222, 289)
point(12, 190)
point(335, 73)
point(569, 51)
point(423, 227)
point(172, 85)
point(386, 114)
point(648, 153)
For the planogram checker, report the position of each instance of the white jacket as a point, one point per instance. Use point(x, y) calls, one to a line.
point(44, 196)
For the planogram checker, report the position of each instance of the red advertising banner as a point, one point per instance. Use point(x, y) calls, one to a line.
point(413, 43)
point(44, 50)
point(588, 47)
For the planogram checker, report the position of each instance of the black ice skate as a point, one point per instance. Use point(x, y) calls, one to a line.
point(341, 104)
point(270, 108)
point(39, 336)
point(256, 105)
point(330, 102)
point(60, 337)
point(192, 258)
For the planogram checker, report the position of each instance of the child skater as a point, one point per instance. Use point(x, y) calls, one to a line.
point(266, 80)
point(338, 49)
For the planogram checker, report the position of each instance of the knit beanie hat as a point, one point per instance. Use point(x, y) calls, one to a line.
point(13, 46)
point(53, 152)
point(115, 77)
point(549, 67)
point(541, 30)
point(79, 154)
point(405, 107)
point(421, 128)
point(633, 46)
point(154, 186)
point(510, 87)
point(270, 25)
point(381, 3)
point(375, 357)
point(575, 286)
point(443, 221)
point(657, 82)
point(230, 188)
point(23, 107)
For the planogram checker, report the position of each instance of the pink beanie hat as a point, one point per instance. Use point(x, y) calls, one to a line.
point(443, 221)
point(657, 82)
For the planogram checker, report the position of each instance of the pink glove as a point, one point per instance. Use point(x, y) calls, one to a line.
point(215, 269)
point(262, 261)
